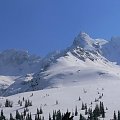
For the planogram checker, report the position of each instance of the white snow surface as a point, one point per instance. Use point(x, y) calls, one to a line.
point(67, 98)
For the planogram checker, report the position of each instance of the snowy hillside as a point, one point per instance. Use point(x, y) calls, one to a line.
point(68, 98)
point(82, 62)
point(14, 64)
point(64, 68)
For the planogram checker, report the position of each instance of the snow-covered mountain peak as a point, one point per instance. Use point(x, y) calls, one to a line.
point(83, 40)
point(62, 67)
point(83, 35)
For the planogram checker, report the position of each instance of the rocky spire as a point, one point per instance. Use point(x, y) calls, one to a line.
point(83, 40)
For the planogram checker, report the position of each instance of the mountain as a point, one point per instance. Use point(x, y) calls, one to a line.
point(87, 72)
point(86, 60)
point(86, 42)
point(14, 64)
point(17, 62)
point(82, 62)
point(111, 50)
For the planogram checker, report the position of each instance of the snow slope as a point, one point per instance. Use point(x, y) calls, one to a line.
point(109, 49)
point(70, 67)
point(67, 98)
point(14, 64)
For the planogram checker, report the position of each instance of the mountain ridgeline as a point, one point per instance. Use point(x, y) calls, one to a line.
point(21, 72)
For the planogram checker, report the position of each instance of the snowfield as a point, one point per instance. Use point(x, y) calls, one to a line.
point(67, 98)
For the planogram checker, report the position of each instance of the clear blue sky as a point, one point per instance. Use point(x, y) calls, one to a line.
point(42, 26)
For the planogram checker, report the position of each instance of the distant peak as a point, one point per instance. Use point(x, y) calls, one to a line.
point(115, 38)
point(83, 34)
point(13, 51)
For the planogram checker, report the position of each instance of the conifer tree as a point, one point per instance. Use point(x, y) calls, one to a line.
point(82, 118)
point(11, 117)
point(38, 112)
point(26, 103)
point(90, 116)
point(18, 101)
point(24, 113)
point(2, 113)
point(86, 112)
point(58, 115)
point(118, 115)
point(100, 107)
point(36, 117)
point(67, 110)
point(18, 115)
point(2, 117)
point(21, 103)
point(6, 103)
point(76, 112)
point(54, 115)
point(79, 98)
point(41, 111)
point(49, 116)
point(115, 117)
point(30, 116)
point(56, 102)
point(83, 107)
point(23, 98)
point(103, 111)
point(96, 112)
point(43, 118)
